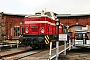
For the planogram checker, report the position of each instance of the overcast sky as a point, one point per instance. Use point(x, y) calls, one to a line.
point(57, 6)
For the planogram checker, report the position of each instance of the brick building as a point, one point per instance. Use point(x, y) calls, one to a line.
point(75, 22)
point(11, 25)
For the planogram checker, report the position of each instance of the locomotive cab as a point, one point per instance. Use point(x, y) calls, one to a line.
point(50, 14)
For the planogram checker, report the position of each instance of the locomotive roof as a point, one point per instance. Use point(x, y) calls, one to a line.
point(36, 16)
point(30, 16)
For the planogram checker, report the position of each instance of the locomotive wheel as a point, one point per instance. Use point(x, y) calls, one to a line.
point(34, 46)
point(38, 46)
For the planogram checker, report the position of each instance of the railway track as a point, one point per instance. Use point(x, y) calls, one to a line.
point(13, 51)
point(31, 54)
point(22, 55)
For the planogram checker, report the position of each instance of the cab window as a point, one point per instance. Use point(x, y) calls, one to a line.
point(37, 13)
point(48, 14)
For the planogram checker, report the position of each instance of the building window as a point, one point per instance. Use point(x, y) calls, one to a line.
point(16, 31)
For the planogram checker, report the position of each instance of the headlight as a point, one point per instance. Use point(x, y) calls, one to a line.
point(42, 30)
point(26, 29)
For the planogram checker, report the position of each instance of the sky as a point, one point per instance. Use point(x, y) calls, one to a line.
point(57, 6)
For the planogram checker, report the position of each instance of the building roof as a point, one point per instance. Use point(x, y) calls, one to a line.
point(71, 15)
point(10, 14)
point(58, 15)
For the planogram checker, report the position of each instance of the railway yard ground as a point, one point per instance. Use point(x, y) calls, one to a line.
point(74, 54)
point(22, 53)
point(77, 54)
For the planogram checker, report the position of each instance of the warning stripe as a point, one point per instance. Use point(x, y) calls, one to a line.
point(47, 39)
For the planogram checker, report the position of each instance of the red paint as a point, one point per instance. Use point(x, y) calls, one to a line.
point(35, 25)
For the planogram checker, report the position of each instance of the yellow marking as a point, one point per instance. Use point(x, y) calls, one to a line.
point(47, 36)
point(47, 39)
point(20, 42)
point(20, 36)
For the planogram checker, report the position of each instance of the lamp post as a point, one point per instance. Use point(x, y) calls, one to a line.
point(57, 29)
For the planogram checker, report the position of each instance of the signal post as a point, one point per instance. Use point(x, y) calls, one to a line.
point(60, 37)
point(57, 42)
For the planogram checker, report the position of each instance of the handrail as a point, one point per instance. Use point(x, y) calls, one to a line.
point(64, 50)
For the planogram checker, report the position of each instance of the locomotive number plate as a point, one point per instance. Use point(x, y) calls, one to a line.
point(34, 26)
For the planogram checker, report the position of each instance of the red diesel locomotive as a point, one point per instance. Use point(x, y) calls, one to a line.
point(40, 29)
